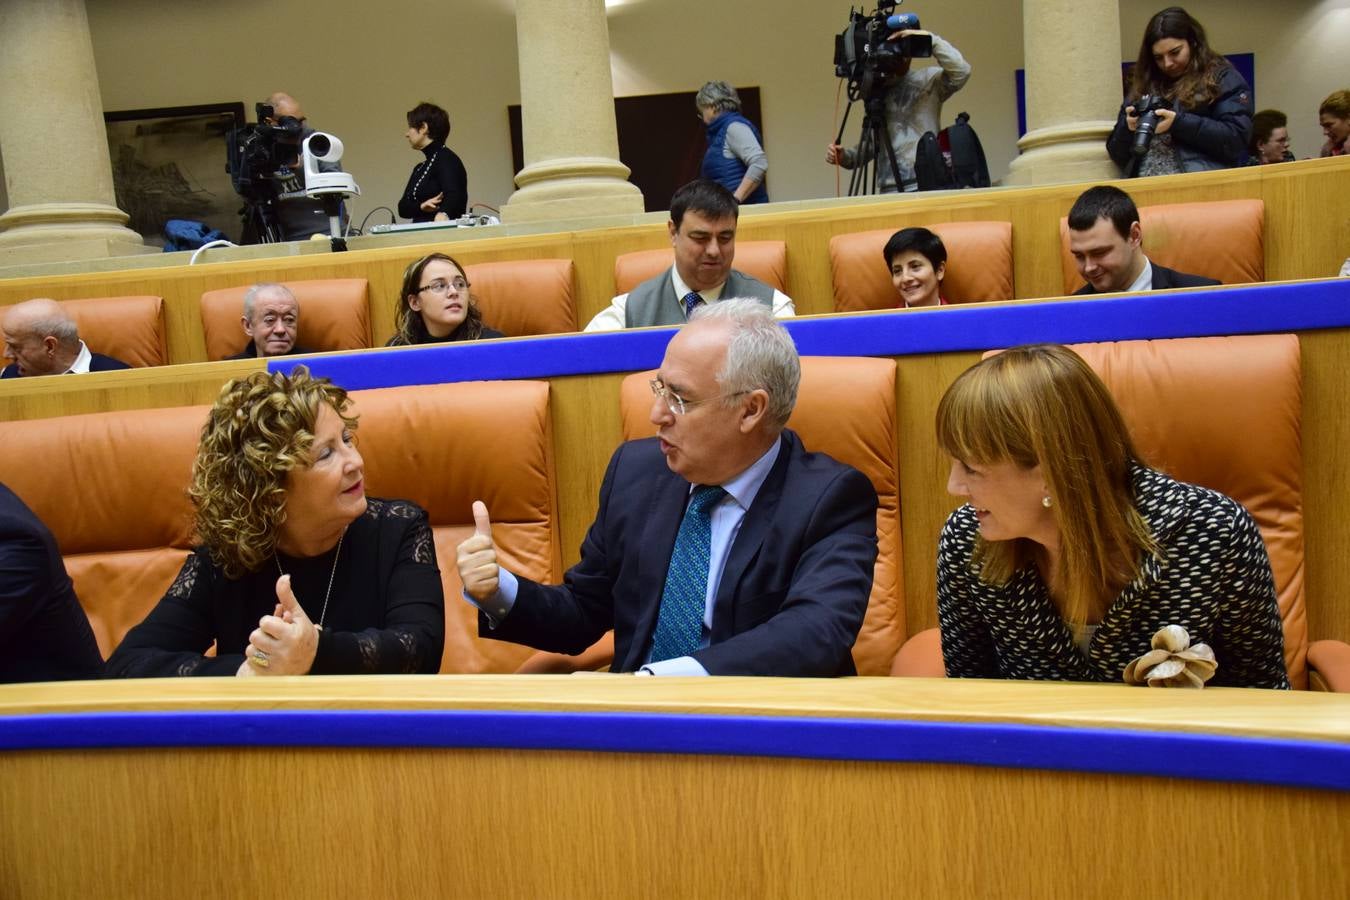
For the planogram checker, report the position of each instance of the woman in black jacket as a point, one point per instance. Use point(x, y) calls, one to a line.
point(438, 188)
point(1203, 106)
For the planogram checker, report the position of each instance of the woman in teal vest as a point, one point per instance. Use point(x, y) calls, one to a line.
point(735, 157)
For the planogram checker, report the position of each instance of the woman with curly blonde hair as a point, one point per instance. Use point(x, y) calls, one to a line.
point(298, 571)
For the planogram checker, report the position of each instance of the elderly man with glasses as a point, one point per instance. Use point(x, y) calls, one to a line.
point(721, 546)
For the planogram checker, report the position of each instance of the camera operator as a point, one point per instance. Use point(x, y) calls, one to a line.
point(1188, 111)
point(298, 217)
point(913, 106)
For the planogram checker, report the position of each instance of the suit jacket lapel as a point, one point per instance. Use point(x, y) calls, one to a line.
point(669, 498)
point(745, 548)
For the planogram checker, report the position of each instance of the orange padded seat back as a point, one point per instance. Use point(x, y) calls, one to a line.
point(1223, 239)
point(979, 265)
point(845, 408)
point(112, 487)
point(528, 296)
point(445, 446)
point(130, 329)
point(334, 315)
point(1226, 413)
point(765, 260)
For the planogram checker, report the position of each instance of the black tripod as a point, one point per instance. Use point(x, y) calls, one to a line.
point(875, 135)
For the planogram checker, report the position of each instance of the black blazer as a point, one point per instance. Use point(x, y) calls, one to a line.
point(792, 595)
point(1164, 279)
point(97, 363)
point(44, 634)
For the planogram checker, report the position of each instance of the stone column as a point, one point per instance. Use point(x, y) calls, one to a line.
point(57, 171)
point(1073, 91)
point(572, 167)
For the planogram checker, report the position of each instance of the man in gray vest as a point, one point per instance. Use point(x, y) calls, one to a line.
point(703, 232)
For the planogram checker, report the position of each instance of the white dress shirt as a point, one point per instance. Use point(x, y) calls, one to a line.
point(613, 317)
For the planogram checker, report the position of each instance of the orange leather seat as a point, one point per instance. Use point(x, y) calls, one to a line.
point(845, 408)
point(1223, 239)
point(979, 265)
point(126, 528)
point(765, 260)
point(130, 329)
point(334, 315)
point(1193, 406)
point(528, 296)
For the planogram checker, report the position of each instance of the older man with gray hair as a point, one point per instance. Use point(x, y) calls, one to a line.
point(42, 340)
point(271, 320)
point(735, 158)
point(721, 546)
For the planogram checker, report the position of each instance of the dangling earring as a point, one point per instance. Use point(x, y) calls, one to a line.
point(1045, 501)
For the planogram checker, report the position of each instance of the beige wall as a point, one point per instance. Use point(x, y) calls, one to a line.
point(357, 66)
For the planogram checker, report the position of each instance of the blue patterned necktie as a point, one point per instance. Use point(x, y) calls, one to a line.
point(679, 625)
point(691, 302)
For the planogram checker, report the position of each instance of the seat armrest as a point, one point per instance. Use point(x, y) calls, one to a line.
point(921, 656)
point(1330, 660)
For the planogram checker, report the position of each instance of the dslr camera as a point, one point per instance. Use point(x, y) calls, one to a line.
point(1146, 109)
point(864, 56)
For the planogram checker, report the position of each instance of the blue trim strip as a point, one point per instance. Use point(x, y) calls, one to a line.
point(1291, 763)
point(1255, 309)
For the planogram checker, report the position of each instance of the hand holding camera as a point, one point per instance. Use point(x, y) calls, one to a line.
point(1149, 115)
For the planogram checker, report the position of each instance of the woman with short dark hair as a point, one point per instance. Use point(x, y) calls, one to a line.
point(1203, 105)
point(917, 261)
point(438, 188)
point(298, 572)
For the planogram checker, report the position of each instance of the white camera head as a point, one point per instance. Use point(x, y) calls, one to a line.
point(320, 147)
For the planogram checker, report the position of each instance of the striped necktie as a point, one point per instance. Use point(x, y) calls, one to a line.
point(679, 624)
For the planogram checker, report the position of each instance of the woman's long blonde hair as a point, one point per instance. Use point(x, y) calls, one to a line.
point(260, 428)
point(1042, 405)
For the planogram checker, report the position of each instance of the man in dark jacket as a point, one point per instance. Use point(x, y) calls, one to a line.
point(1107, 245)
point(42, 340)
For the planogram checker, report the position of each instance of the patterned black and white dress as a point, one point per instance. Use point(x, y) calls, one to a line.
point(1211, 575)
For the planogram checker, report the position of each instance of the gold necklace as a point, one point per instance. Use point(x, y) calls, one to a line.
point(331, 575)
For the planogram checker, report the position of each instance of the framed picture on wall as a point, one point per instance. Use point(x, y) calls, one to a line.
point(169, 163)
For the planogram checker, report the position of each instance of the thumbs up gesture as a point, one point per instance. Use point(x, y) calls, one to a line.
point(477, 557)
point(285, 642)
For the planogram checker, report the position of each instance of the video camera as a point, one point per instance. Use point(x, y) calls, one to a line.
point(1146, 108)
point(864, 56)
point(258, 151)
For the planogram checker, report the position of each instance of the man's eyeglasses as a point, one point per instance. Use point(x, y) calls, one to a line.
point(677, 404)
point(441, 286)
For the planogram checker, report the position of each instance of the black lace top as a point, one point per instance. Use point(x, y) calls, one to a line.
point(1212, 576)
point(386, 613)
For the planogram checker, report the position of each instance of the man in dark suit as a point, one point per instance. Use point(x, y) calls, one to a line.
point(271, 320)
point(44, 634)
point(43, 340)
point(721, 546)
point(1107, 245)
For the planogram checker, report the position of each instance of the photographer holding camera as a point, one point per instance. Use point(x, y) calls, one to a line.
point(913, 105)
point(1189, 110)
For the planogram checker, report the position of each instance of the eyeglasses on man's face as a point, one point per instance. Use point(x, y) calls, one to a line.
point(677, 404)
point(441, 286)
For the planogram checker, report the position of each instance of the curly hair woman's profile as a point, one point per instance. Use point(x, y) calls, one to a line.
point(298, 571)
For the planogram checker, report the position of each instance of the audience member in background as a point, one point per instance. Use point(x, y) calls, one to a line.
point(436, 306)
point(1206, 118)
point(918, 263)
point(271, 320)
point(914, 101)
point(299, 217)
point(1334, 117)
point(721, 546)
point(702, 228)
point(278, 486)
point(42, 340)
point(1107, 245)
point(438, 188)
point(44, 634)
point(735, 157)
point(1270, 138)
point(1069, 553)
